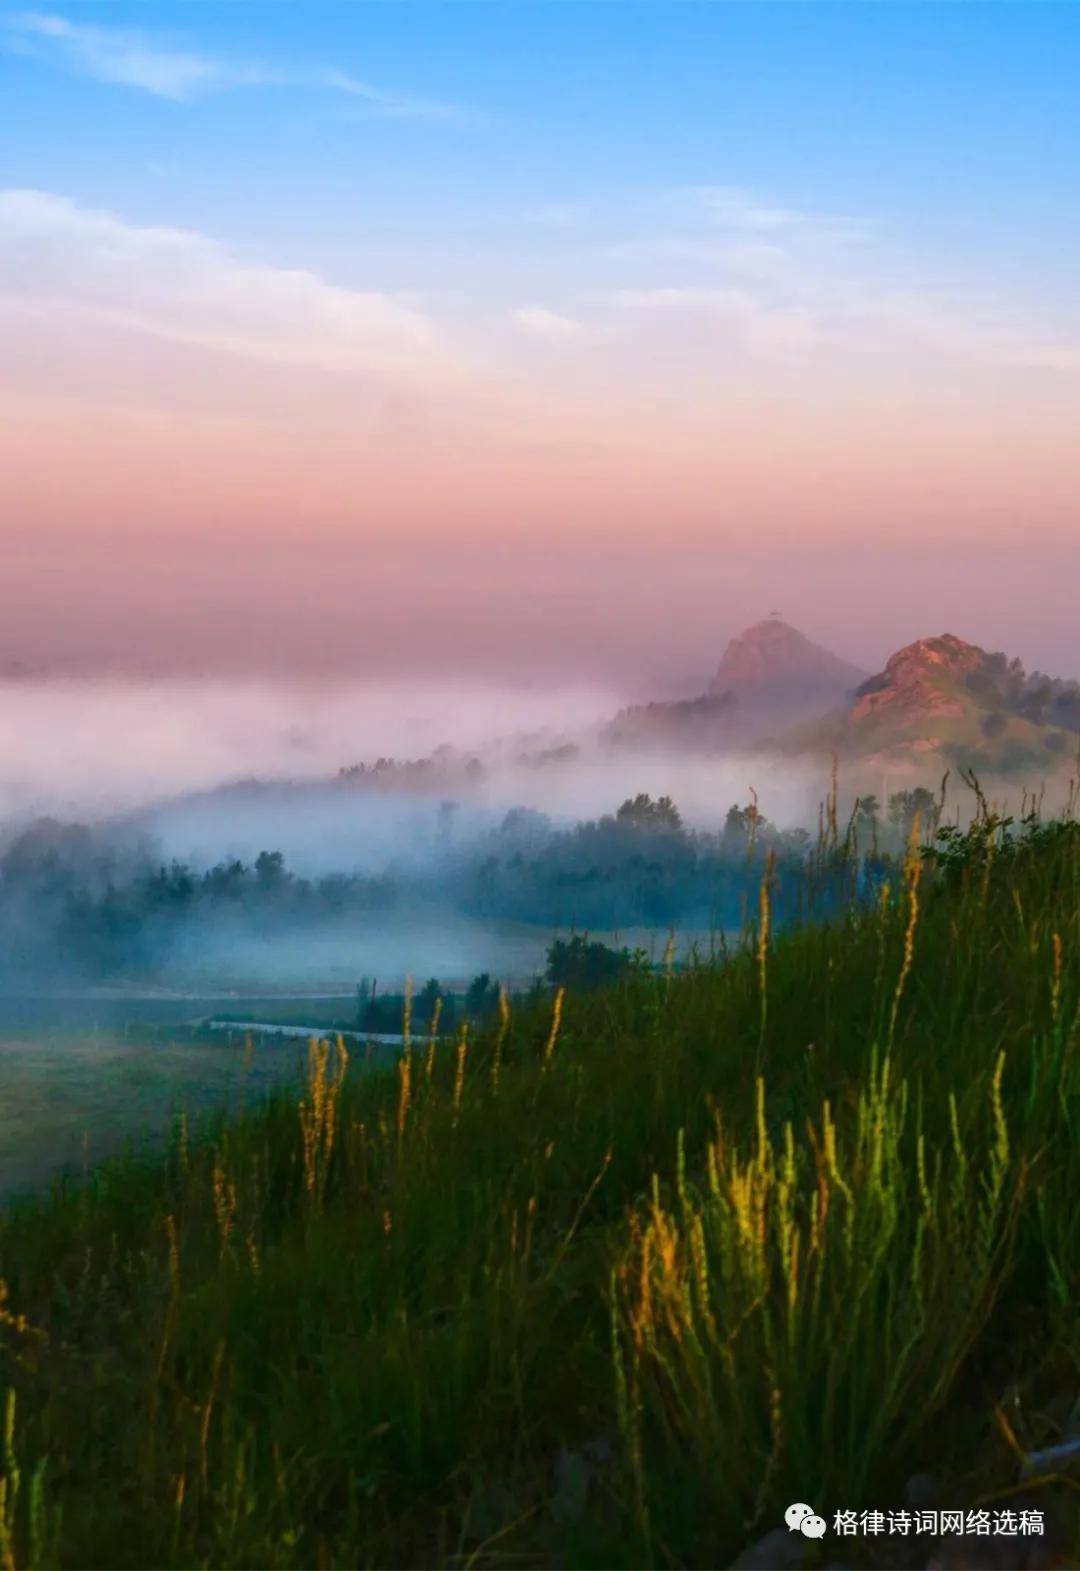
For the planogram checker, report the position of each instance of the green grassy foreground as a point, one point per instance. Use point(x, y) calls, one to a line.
point(611, 1284)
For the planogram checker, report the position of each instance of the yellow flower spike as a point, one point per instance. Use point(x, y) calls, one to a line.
point(406, 1018)
point(404, 1093)
point(433, 1037)
point(500, 1040)
point(459, 1078)
point(556, 1022)
point(1055, 986)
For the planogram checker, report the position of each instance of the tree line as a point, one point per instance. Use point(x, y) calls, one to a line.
point(86, 903)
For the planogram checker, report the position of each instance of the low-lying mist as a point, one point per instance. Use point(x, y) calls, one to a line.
point(248, 836)
point(90, 747)
point(405, 824)
point(164, 796)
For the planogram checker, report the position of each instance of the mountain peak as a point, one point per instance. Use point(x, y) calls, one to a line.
point(946, 652)
point(773, 657)
point(927, 677)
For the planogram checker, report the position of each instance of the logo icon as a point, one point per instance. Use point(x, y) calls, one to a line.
point(805, 1520)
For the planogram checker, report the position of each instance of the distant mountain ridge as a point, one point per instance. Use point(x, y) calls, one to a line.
point(939, 699)
point(938, 702)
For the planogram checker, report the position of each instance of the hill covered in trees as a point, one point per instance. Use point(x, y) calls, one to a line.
point(948, 699)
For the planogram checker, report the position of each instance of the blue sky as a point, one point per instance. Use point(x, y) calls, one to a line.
point(952, 128)
point(669, 274)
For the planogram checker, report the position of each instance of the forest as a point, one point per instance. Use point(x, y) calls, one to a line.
point(89, 904)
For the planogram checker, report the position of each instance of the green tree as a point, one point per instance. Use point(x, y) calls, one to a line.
point(659, 817)
point(481, 997)
point(905, 806)
point(580, 965)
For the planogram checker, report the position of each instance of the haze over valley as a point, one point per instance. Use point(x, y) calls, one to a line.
point(206, 836)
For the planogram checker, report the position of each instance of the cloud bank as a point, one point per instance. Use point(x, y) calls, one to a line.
point(188, 289)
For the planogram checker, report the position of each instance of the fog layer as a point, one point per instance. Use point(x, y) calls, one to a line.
point(256, 836)
point(92, 747)
point(401, 828)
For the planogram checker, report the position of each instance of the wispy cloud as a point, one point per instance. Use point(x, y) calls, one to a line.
point(734, 208)
point(155, 65)
point(125, 58)
point(989, 331)
point(720, 274)
point(763, 330)
point(672, 295)
point(379, 104)
point(183, 287)
point(538, 322)
point(737, 211)
point(555, 215)
point(784, 283)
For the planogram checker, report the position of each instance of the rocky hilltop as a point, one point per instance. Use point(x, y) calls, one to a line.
point(947, 697)
point(926, 679)
point(773, 662)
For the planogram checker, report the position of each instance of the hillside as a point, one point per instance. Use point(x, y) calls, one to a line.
point(708, 724)
point(610, 1284)
point(945, 699)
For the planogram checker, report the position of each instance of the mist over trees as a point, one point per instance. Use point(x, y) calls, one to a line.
point(82, 905)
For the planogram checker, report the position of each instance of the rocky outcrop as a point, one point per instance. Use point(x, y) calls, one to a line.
point(926, 679)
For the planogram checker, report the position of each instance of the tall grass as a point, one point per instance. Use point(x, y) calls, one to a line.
point(610, 1283)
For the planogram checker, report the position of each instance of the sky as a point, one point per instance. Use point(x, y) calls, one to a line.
point(541, 341)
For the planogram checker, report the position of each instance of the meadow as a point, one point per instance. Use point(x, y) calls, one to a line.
point(608, 1282)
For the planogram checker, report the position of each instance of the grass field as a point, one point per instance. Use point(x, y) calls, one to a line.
point(608, 1285)
point(67, 1100)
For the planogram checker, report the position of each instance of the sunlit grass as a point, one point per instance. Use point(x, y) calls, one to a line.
point(784, 1225)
